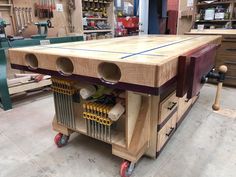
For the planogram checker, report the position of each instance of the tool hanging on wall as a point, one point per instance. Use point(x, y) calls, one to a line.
point(23, 18)
point(27, 16)
point(71, 8)
point(18, 21)
point(30, 15)
point(44, 9)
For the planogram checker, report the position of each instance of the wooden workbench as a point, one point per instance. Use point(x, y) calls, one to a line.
point(144, 68)
point(226, 53)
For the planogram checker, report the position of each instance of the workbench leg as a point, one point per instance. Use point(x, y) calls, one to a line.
point(4, 92)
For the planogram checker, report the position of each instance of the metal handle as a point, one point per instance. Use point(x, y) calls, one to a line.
point(171, 130)
point(231, 50)
point(172, 106)
point(107, 82)
point(186, 100)
point(230, 38)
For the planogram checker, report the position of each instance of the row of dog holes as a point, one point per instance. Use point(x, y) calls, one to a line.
point(108, 72)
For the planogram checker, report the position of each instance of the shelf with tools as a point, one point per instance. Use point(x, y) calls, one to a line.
point(213, 3)
point(214, 14)
point(97, 31)
point(97, 19)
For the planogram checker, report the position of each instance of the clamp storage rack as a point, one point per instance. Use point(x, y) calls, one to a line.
point(123, 91)
point(5, 100)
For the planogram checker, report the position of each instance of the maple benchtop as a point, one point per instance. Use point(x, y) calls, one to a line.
point(149, 60)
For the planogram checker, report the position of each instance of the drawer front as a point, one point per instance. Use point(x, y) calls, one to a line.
point(231, 65)
point(229, 38)
point(166, 131)
point(184, 104)
point(230, 62)
point(167, 106)
point(230, 80)
point(228, 49)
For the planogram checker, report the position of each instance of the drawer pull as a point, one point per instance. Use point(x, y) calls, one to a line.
point(230, 38)
point(186, 100)
point(172, 105)
point(231, 50)
point(230, 62)
point(230, 77)
point(171, 130)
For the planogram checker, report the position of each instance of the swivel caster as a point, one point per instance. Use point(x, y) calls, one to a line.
point(61, 140)
point(126, 168)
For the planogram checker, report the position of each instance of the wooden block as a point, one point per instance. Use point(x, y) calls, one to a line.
point(29, 86)
point(201, 64)
point(183, 72)
point(133, 105)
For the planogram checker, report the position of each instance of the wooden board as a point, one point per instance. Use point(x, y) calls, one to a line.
point(213, 31)
point(133, 104)
point(140, 63)
point(29, 86)
point(200, 67)
point(185, 17)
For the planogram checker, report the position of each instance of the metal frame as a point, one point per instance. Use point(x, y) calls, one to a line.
point(5, 100)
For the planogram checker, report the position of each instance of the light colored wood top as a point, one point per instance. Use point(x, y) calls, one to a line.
point(143, 60)
point(213, 31)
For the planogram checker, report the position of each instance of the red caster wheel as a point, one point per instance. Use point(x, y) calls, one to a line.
point(61, 140)
point(126, 168)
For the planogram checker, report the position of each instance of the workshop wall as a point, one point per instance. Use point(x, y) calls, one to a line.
point(173, 5)
point(184, 22)
point(59, 21)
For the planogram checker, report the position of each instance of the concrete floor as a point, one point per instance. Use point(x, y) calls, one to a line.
point(204, 145)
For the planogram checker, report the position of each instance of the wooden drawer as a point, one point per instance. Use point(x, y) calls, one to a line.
point(229, 38)
point(167, 106)
point(228, 49)
point(222, 57)
point(230, 62)
point(230, 80)
point(166, 131)
point(183, 106)
point(231, 65)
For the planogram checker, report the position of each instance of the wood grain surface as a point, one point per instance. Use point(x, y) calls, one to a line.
point(213, 31)
point(142, 60)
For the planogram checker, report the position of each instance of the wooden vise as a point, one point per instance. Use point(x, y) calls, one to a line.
point(195, 68)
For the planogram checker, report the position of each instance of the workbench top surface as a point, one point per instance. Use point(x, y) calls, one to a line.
point(149, 60)
point(213, 31)
point(152, 49)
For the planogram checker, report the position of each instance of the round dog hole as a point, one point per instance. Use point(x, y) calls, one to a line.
point(109, 72)
point(65, 66)
point(31, 61)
